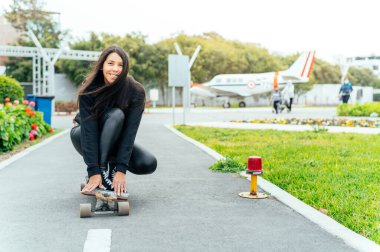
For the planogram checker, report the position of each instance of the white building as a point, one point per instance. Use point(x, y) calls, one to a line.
point(64, 89)
point(371, 62)
point(328, 94)
point(8, 34)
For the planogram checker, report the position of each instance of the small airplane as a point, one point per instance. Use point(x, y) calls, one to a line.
point(244, 85)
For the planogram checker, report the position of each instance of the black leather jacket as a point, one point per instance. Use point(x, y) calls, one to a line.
point(90, 131)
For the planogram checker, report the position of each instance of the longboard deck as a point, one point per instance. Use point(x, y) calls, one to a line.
point(106, 194)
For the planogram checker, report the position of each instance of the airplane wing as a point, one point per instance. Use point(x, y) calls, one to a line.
point(206, 91)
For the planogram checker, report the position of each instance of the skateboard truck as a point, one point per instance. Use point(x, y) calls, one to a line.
point(107, 202)
point(254, 168)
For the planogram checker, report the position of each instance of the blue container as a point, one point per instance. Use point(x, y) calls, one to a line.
point(44, 105)
point(31, 97)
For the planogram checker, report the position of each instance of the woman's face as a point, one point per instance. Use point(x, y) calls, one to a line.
point(112, 68)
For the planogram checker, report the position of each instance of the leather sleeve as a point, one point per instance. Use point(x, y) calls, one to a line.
point(133, 116)
point(89, 135)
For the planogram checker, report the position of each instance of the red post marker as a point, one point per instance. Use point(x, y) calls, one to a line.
point(254, 165)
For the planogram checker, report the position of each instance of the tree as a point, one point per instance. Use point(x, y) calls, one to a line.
point(141, 56)
point(363, 77)
point(75, 70)
point(222, 56)
point(29, 14)
point(324, 72)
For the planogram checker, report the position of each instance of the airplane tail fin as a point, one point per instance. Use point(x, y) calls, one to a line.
point(301, 68)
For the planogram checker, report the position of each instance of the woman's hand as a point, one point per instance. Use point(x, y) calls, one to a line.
point(119, 183)
point(94, 182)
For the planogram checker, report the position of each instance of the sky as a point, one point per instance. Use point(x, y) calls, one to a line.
point(334, 28)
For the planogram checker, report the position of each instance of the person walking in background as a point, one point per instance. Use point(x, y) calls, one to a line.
point(288, 95)
point(345, 90)
point(276, 100)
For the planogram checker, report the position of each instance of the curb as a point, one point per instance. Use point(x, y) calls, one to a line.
point(23, 153)
point(351, 238)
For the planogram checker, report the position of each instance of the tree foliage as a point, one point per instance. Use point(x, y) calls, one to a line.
point(219, 56)
point(76, 70)
point(11, 89)
point(363, 77)
point(27, 15)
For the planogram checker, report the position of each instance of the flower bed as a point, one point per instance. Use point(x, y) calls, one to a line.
point(317, 122)
point(19, 122)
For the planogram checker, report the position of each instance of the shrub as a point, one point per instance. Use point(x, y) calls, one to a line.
point(229, 164)
point(343, 109)
point(365, 109)
point(19, 123)
point(10, 88)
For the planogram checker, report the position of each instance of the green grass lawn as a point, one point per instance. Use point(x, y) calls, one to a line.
point(339, 172)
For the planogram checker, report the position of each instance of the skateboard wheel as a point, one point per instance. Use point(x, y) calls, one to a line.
point(85, 210)
point(123, 208)
point(82, 185)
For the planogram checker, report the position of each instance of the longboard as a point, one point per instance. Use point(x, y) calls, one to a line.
point(107, 202)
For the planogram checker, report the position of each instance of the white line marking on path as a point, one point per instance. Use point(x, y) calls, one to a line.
point(30, 149)
point(98, 240)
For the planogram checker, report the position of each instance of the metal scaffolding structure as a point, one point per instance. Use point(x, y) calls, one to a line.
point(43, 63)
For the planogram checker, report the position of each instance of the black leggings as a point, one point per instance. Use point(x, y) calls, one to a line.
point(141, 161)
point(276, 106)
point(289, 105)
point(345, 98)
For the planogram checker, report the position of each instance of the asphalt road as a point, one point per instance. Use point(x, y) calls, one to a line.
point(183, 206)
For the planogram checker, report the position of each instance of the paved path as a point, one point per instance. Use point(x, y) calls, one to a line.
point(183, 206)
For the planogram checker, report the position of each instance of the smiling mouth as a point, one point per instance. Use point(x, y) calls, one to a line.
point(113, 75)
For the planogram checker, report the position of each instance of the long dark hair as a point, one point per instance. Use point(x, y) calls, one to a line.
point(107, 96)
